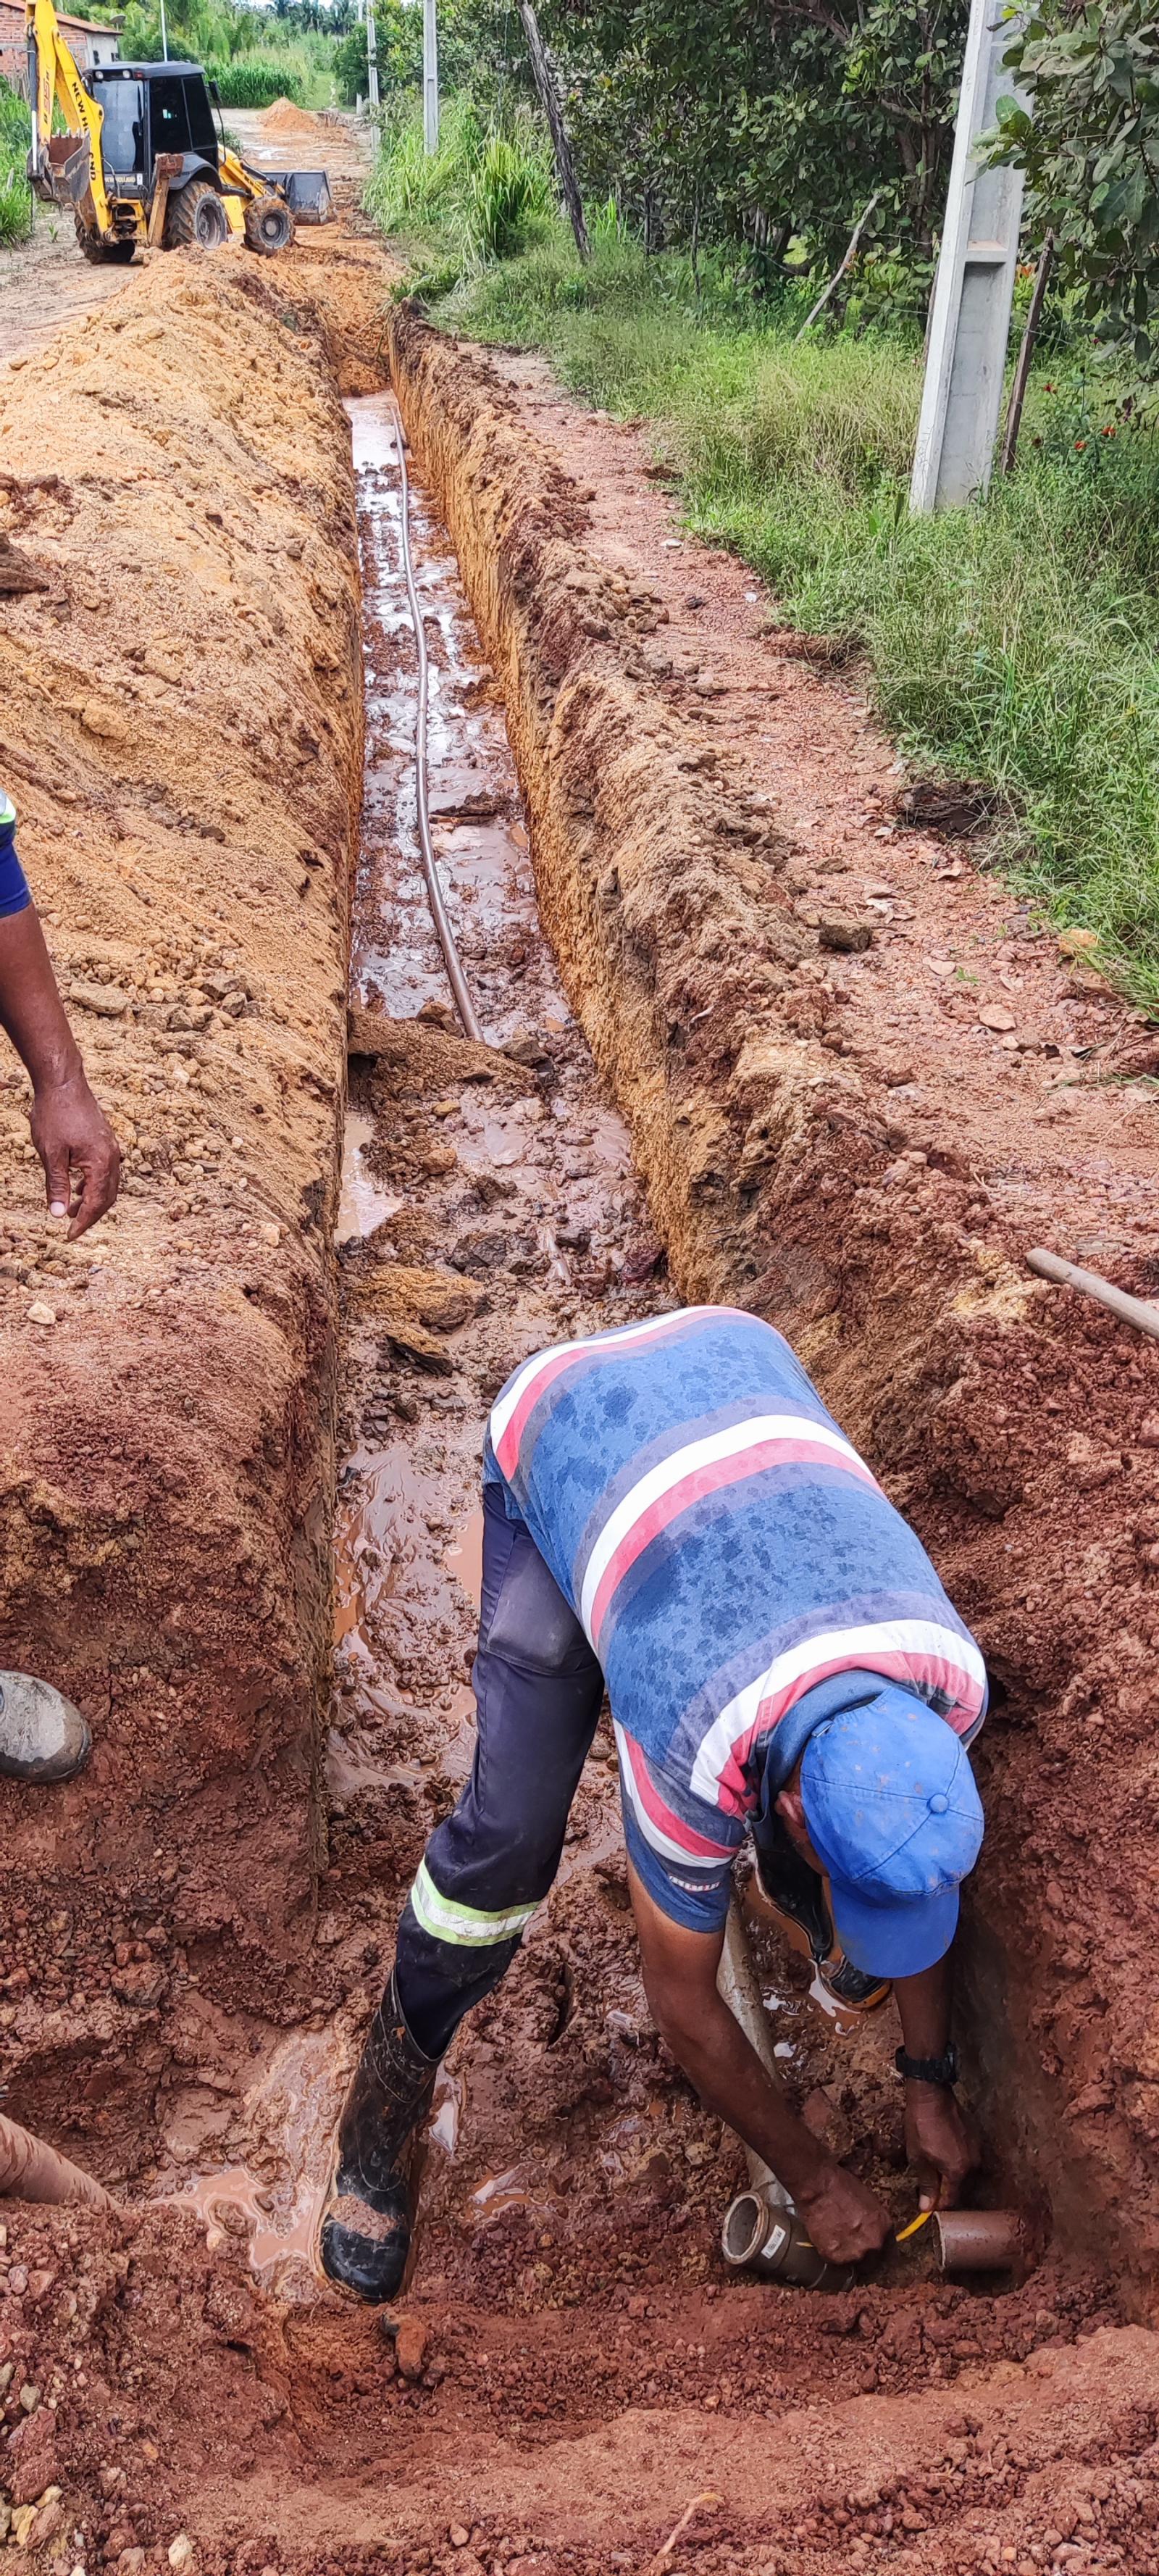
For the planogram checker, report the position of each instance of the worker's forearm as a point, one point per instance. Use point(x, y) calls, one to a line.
point(729, 2077)
point(31, 1010)
point(923, 2004)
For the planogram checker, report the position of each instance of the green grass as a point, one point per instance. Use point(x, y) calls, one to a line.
point(253, 80)
point(480, 198)
point(15, 193)
point(1015, 643)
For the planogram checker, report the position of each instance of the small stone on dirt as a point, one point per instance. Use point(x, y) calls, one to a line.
point(40, 1313)
point(839, 930)
point(458, 2535)
point(106, 1000)
point(410, 2351)
point(180, 2553)
point(997, 1018)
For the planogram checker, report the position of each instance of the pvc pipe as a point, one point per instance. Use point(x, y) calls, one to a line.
point(32, 2170)
point(455, 976)
point(763, 2231)
point(977, 2240)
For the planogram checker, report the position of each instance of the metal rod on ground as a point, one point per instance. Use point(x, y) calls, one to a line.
point(543, 73)
point(430, 78)
point(1026, 353)
point(1066, 1274)
point(839, 273)
point(455, 975)
point(32, 2170)
point(371, 55)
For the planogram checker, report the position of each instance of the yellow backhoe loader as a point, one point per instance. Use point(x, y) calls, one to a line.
point(141, 162)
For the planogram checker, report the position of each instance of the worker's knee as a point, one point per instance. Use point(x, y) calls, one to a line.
point(529, 1623)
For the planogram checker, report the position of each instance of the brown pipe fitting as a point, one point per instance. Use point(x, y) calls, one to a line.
point(32, 2170)
point(764, 2234)
point(977, 2240)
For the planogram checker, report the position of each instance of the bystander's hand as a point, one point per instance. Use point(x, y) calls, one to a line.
point(82, 1163)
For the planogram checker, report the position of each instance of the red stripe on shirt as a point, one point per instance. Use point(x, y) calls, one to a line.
point(712, 1479)
point(935, 1670)
point(661, 1814)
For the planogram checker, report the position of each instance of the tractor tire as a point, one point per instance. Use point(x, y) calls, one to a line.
point(103, 254)
point(269, 225)
point(195, 219)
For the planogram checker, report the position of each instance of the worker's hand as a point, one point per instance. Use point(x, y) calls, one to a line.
point(941, 2142)
point(844, 2219)
point(81, 1158)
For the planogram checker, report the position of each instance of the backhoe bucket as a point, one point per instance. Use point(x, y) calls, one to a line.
point(309, 195)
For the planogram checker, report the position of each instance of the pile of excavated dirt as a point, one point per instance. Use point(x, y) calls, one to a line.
point(861, 1082)
point(180, 727)
point(284, 118)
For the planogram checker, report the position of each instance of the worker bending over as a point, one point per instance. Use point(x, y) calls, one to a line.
point(670, 1510)
point(42, 1736)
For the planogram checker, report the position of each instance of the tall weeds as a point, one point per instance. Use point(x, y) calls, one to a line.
point(15, 193)
point(1015, 642)
point(478, 198)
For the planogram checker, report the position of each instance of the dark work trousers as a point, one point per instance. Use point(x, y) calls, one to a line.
point(538, 1691)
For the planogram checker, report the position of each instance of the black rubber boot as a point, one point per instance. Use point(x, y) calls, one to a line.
point(365, 2232)
point(798, 1897)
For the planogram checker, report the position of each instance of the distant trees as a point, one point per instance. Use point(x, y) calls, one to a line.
point(764, 121)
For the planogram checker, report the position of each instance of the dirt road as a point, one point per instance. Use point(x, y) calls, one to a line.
point(646, 814)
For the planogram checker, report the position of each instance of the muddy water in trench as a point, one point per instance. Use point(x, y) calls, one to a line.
point(562, 2145)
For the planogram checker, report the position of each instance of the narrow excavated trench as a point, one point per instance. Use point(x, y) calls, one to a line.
point(570, 2367)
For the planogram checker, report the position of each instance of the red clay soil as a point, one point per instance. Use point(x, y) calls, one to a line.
point(570, 2371)
point(180, 728)
point(861, 1081)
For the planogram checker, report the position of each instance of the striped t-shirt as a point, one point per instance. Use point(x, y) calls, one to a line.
point(736, 1568)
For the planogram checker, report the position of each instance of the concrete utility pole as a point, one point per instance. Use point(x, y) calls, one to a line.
point(973, 289)
point(430, 78)
point(371, 55)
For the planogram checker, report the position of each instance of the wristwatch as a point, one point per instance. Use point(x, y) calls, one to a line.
point(929, 2070)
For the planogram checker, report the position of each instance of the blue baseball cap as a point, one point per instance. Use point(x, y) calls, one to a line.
point(893, 1811)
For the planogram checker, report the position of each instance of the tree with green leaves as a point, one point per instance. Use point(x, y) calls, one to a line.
point(762, 123)
point(1088, 139)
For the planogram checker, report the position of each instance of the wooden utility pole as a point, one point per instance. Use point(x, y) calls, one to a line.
point(543, 71)
point(1026, 353)
point(430, 78)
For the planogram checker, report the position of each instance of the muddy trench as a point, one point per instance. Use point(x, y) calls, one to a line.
point(570, 2366)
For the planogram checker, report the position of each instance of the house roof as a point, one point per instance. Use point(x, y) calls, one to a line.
point(83, 26)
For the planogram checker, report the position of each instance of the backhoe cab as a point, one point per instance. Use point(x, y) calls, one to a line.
point(141, 161)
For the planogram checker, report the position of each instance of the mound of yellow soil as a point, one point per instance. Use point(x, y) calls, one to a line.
point(284, 118)
point(180, 728)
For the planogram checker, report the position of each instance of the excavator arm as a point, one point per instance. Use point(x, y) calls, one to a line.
point(54, 81)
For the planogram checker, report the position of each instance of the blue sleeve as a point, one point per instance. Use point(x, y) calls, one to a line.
point(15, 893)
